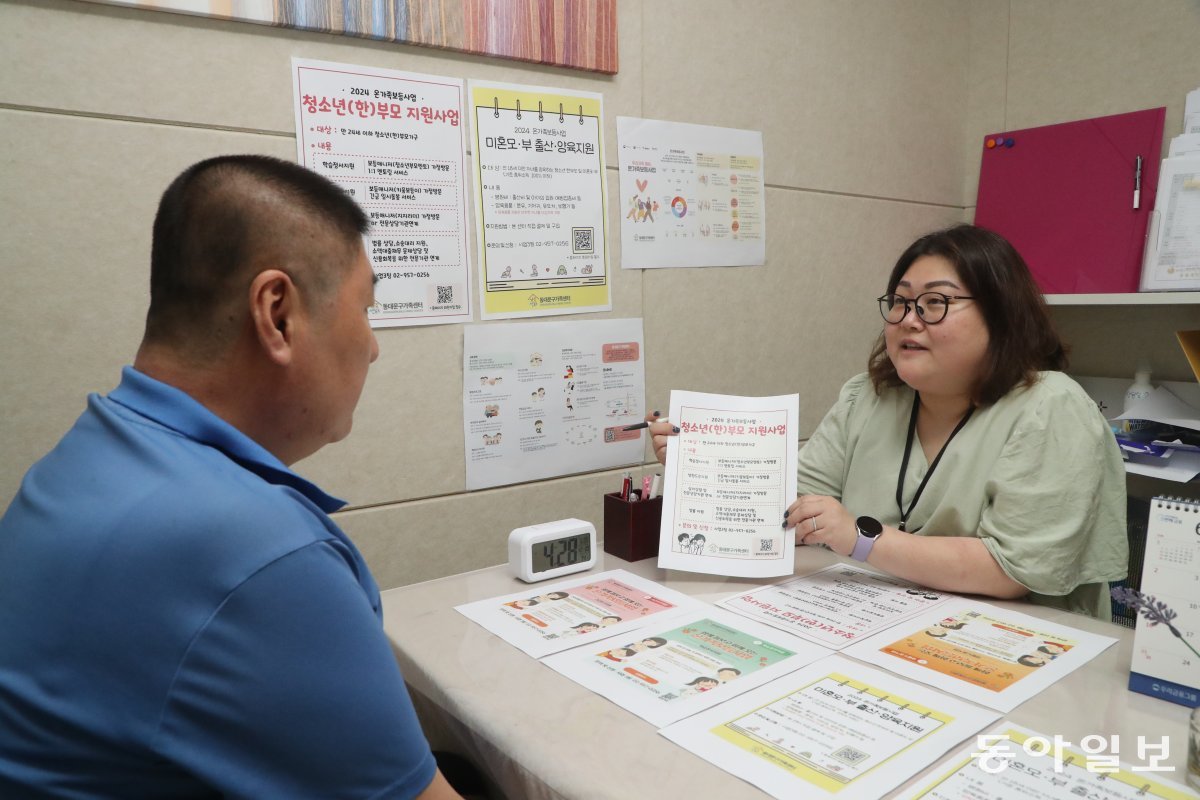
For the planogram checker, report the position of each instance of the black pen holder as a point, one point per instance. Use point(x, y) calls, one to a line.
point(631, 528)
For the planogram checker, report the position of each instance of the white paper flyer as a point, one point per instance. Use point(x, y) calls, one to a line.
point(1012, 761)
point(836, 606)
point(989, 655)
point(730, 474)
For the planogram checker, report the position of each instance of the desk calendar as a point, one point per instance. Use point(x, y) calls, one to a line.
point(1164, 665)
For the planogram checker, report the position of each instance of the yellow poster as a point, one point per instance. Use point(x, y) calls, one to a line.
point(804, 732)
point(1018, 762)
point(834, 728)
point(540, 201)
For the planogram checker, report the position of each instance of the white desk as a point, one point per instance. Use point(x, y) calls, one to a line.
point(539, 735)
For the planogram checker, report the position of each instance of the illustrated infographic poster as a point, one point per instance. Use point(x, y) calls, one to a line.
point(542, 399)
point(992, 656)
point(691, 195)
point(682, 665)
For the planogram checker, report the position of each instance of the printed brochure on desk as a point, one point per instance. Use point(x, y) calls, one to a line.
point(1012, 761)
point(990, 655)
point(678, 666)
point(835, 606)
point(567, 614)
point(832, 729)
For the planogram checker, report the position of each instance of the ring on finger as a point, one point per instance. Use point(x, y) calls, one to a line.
point(813, 520)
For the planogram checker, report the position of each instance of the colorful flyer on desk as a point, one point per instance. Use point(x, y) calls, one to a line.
point(835, 606)
point(989, 655)
point(678, 666)
point(730, 475)
point(1012, 761)
point(546, 619)
point(832, 729)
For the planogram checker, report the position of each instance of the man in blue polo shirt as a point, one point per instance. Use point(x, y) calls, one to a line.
point(179, 616)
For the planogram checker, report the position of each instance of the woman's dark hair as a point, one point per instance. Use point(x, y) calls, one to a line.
point(1021, 337)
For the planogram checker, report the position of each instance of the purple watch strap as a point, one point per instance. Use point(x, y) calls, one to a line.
point(862, 547)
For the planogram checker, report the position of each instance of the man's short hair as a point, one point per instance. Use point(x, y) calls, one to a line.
point(224, 220)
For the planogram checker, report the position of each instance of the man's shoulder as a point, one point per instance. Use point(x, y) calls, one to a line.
point(120, 474)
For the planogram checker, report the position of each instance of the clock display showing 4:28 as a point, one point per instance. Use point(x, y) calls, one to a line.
point(561, 552)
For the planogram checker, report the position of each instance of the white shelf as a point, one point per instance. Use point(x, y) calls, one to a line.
point(1130, 299)
point(1152, 472)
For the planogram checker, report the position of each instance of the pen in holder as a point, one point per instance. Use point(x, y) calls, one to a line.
point(631, 528)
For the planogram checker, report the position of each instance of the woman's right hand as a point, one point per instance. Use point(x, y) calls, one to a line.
point(659, 430)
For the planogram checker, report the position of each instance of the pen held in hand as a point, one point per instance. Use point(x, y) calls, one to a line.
point(641, 425)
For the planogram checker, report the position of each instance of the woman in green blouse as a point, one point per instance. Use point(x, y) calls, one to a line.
point(964, 459)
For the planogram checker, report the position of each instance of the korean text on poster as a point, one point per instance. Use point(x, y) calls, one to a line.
point(730, 474)
point(395, 142)
point(540, 201)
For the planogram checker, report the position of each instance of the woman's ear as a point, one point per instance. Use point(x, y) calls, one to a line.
point(274, 303)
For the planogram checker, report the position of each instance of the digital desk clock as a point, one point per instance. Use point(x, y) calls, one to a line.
point(552, 549)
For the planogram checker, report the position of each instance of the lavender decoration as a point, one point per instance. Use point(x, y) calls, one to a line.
point(1154, 611)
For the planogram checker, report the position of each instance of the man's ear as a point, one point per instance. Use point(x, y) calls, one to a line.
point(274, 304)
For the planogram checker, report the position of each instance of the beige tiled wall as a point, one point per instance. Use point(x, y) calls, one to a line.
point(871, 117)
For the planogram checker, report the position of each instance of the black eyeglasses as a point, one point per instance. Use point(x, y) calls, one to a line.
point(931, 306)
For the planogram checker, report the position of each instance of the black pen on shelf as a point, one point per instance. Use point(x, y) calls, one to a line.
point(1137, 184)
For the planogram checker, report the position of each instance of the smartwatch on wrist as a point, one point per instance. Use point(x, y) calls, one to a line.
point(869, 529)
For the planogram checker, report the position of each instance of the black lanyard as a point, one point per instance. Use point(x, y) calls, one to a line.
point(912, 430)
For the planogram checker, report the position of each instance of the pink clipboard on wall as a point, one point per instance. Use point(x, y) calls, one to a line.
point(1064, 196)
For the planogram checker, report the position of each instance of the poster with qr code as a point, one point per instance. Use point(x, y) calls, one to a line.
point(834, 728)
point(539, 201)
point(396, 143)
